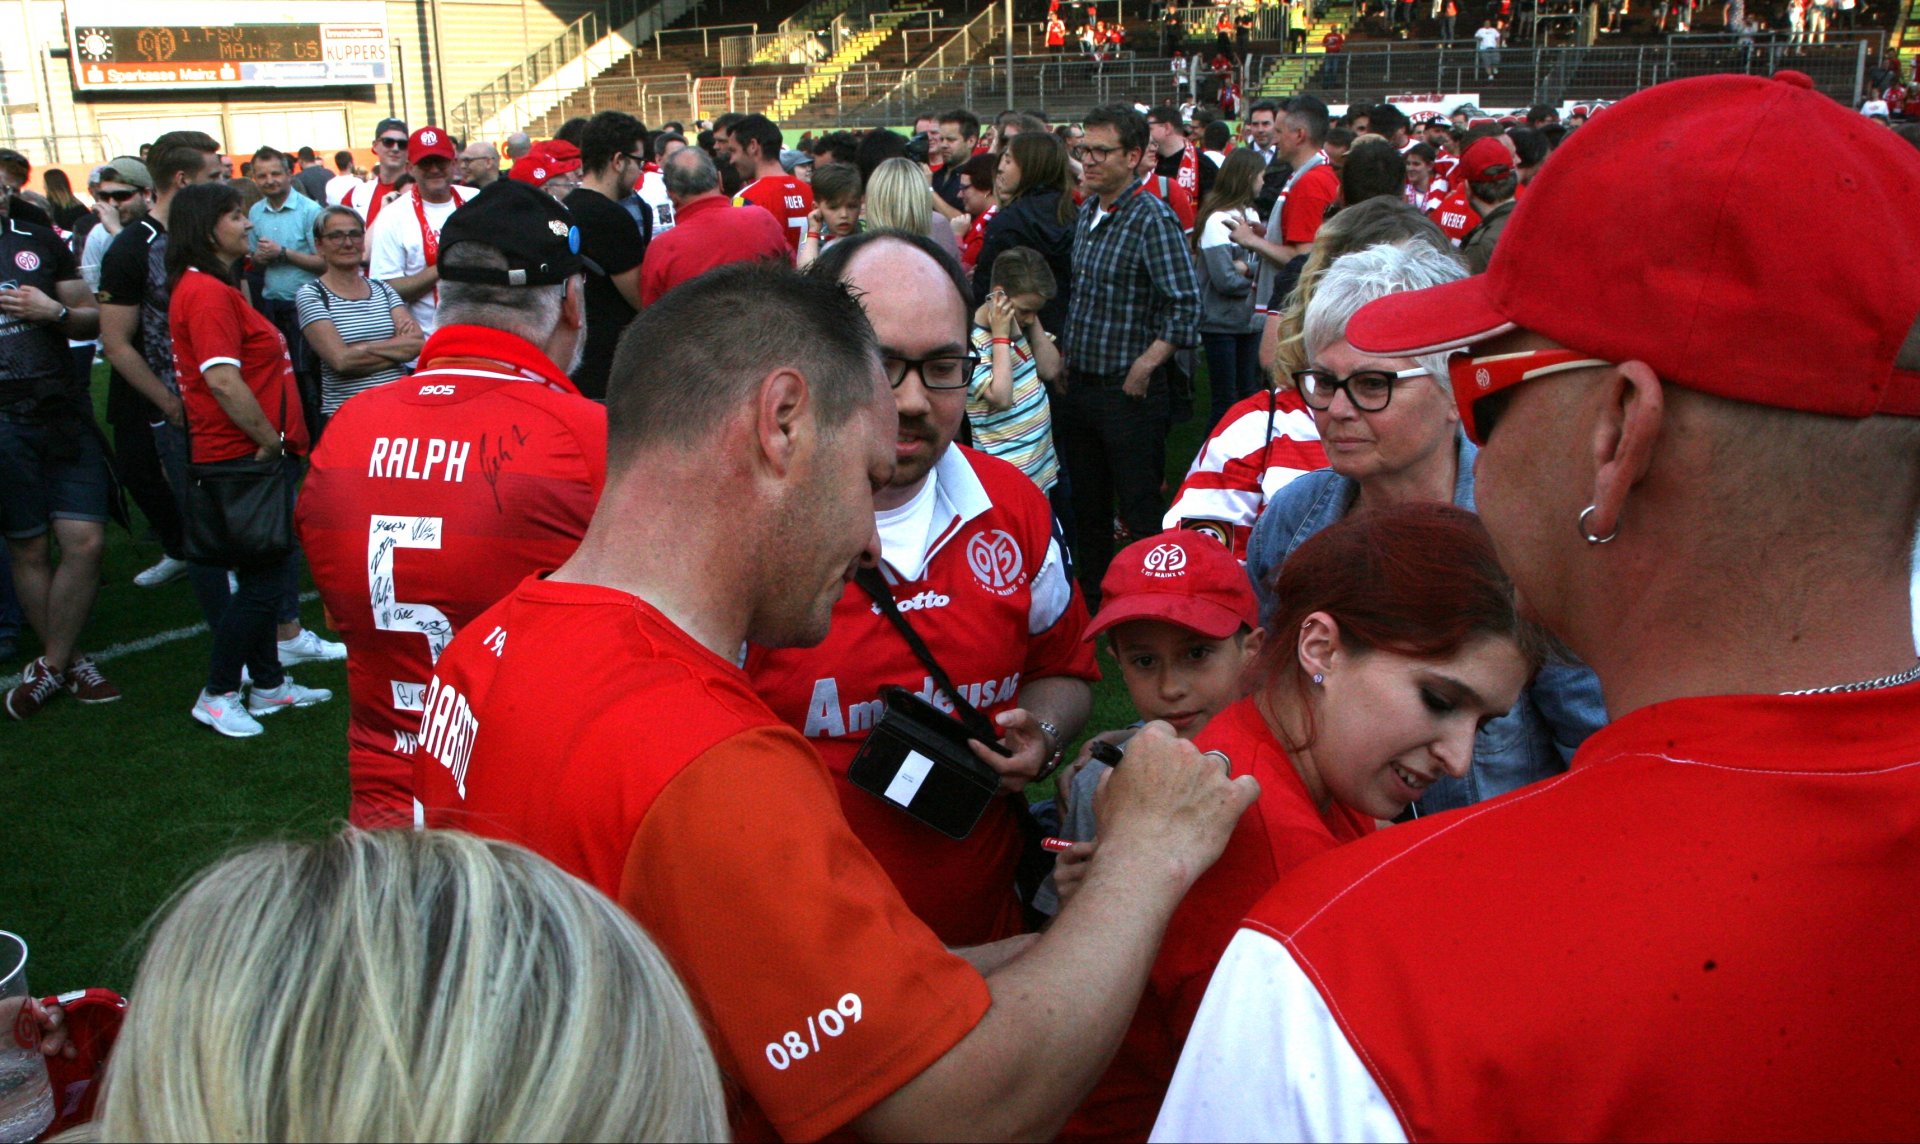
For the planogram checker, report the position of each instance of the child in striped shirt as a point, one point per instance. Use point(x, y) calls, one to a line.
point(1007, 402)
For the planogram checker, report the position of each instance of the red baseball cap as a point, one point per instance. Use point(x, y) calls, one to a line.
point(1487, 161)
point(1653, 234)
point(1183, 577)
point(547, 159)
point(427, 143)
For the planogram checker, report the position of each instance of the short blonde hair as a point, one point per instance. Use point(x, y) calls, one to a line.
point(403, 985)
point(898, 197)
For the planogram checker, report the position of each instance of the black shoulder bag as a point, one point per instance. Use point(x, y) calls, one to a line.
point(239, 513)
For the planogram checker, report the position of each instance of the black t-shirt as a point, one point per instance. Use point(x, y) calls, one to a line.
point(608, 236)
point(34, 361)
point(24, 210)
point(133, 272)
point(1170, 168)
point(312, 183)
point(946, 183)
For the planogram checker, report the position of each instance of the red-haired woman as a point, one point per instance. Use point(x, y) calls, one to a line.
point(1394, 639)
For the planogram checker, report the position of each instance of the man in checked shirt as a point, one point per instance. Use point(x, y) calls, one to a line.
point(1135, 301)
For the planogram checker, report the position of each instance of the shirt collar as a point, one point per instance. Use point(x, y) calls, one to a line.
point(958, 497)
point(703, 203)
point(449, 343)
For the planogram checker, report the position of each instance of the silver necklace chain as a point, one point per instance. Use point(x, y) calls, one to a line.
point(1895, 680)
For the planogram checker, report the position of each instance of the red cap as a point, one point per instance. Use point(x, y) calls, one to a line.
point(1487, 161)
point(547, 159)
point(427, 143)
point(1183, 577)
point(1653, 235)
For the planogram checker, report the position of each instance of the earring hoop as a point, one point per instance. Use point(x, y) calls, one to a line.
point(1587, 533)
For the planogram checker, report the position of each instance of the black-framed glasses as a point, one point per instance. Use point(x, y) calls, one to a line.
point(1098, 153)
point(116, 196)
point(636, 160)
point(1369, 389)
point(343, 235)
point(941, 371)
point(387, 141)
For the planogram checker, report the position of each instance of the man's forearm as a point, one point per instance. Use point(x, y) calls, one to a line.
point(413, 287)
point(1060, 700)
point(1154, 356)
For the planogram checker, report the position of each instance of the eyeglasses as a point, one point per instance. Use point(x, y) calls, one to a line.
point(116, 196)
point(344, 235)
point(1479, 382)
point(1369, 389)
point(636, 160)
point(942, 371)
point(1097, 153)
point(386, 141)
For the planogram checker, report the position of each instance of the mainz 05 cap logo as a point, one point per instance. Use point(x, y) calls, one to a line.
point(1165, 561)
point(995, 560)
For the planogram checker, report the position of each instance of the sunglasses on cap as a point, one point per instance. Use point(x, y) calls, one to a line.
point(1482, 385)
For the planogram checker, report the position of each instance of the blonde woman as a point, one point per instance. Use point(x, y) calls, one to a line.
point(900, 197)
point(403, 985)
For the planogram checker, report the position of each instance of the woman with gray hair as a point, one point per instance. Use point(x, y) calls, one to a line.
point(405, 985)
point(1392, 435)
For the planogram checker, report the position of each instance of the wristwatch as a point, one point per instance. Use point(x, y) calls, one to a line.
point(1058, 754)
point(64, 312)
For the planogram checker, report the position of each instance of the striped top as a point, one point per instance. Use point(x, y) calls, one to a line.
point(369, 319)
point(1021, 434)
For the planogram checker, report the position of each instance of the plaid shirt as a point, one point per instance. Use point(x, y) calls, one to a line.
point(1133, 283)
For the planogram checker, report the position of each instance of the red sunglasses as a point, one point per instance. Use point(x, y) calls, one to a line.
point(1477, 378)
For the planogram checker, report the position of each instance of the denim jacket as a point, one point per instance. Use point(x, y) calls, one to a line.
point(1554, 713)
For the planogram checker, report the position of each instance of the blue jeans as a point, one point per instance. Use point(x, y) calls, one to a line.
point(1233, 371)
point(245, 634)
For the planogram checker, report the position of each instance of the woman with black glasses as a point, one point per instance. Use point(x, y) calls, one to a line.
point(1392, 436)
point(361, 329)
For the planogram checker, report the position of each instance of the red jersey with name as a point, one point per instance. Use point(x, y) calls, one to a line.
point(578, 721)
point(1260, 446)
point(788, 199)
point(1279, 832)
point(428, 500)
point(994, 604)
point(1455, 214)
point(1703, 930)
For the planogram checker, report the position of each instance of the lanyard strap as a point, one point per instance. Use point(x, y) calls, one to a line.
point(875, 584)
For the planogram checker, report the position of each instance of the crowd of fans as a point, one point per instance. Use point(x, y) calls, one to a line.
point(722, 531)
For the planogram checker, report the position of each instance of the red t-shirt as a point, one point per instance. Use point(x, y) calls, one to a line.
point(1277, 833)
point(1306, 204)
point(1455, 214)
point(976, 236)
point(787, 198)
point(428, 500)
point(973, 604)
point(1170, 191)
point(708, 232)
point(212, 325)
point(578, 721)
point(1703, 930)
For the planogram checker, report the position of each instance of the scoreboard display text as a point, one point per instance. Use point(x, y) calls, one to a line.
point(114, 56)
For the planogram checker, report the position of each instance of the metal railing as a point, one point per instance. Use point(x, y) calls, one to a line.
point(709, 34)
point(1550, 75)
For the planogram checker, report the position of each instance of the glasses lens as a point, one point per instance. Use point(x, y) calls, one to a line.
point(117, 196)
point(1316, 387)
point(1370, 391)
point(393, 142)
point(947, 372)
point(344, 235)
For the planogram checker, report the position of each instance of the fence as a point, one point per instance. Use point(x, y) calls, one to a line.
point(1551, 75)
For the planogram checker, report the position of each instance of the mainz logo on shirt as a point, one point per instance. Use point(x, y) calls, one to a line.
point(26, 260)
point(1165, 561)
point(994, 558)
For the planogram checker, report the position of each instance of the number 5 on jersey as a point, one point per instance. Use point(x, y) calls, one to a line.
point(385, 534)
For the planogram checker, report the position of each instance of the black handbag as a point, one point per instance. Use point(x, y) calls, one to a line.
point(239, 513)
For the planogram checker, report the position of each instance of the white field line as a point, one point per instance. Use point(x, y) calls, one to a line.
point(145, 643)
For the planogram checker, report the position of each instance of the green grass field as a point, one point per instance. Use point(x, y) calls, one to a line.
point(115, 806)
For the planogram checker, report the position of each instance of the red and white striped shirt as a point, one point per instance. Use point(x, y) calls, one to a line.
point(1261, 445)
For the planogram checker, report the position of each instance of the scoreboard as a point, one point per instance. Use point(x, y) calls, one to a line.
point(227, 44)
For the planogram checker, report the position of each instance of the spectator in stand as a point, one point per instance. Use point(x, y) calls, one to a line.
point(612, 162)
point(492, 373)
point(1374, 168)
point(1333, 43)
point(1007, 406)
point(401, 972)
point(282, 241)
point(756, 156)
point(1229, 328)
point(926, 1046)
point(361, 330)
point(1693, 461)
point(1037, 211)
point(143, 400)
point(1135, 302)
point(981, 202)
point(54, 478)
point(242, 404)
point(479, 165)
point(313, 177)
point(836, 210)
point(1491, 178)
point(67, 210)
point(1486, 49)
point(959, 136)
point(1176, 159)
point(897, 198)
point(390, 145)
point(403, 247)
point(708, 230)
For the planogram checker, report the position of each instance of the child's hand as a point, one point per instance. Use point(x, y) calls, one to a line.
point(1000, 316)
point(1070, 869)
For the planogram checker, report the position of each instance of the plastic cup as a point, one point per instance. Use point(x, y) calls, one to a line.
point(26, 1095)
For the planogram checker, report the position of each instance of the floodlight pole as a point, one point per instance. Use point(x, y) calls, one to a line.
point(1009, 55)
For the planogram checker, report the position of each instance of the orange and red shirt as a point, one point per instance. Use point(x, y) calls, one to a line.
point(1305, 206)
point(579, 721)
point(212, 324)
point(788, 199)
point(989, 594)
point(429, 499)
point(1279, 832)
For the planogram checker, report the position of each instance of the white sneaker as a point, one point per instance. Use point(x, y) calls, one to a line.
point(309, 648)
point(233, 584)
point(164, 572)
point(226, 714)
point(262, 702)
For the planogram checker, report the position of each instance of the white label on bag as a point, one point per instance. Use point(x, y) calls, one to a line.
point(906, 781)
